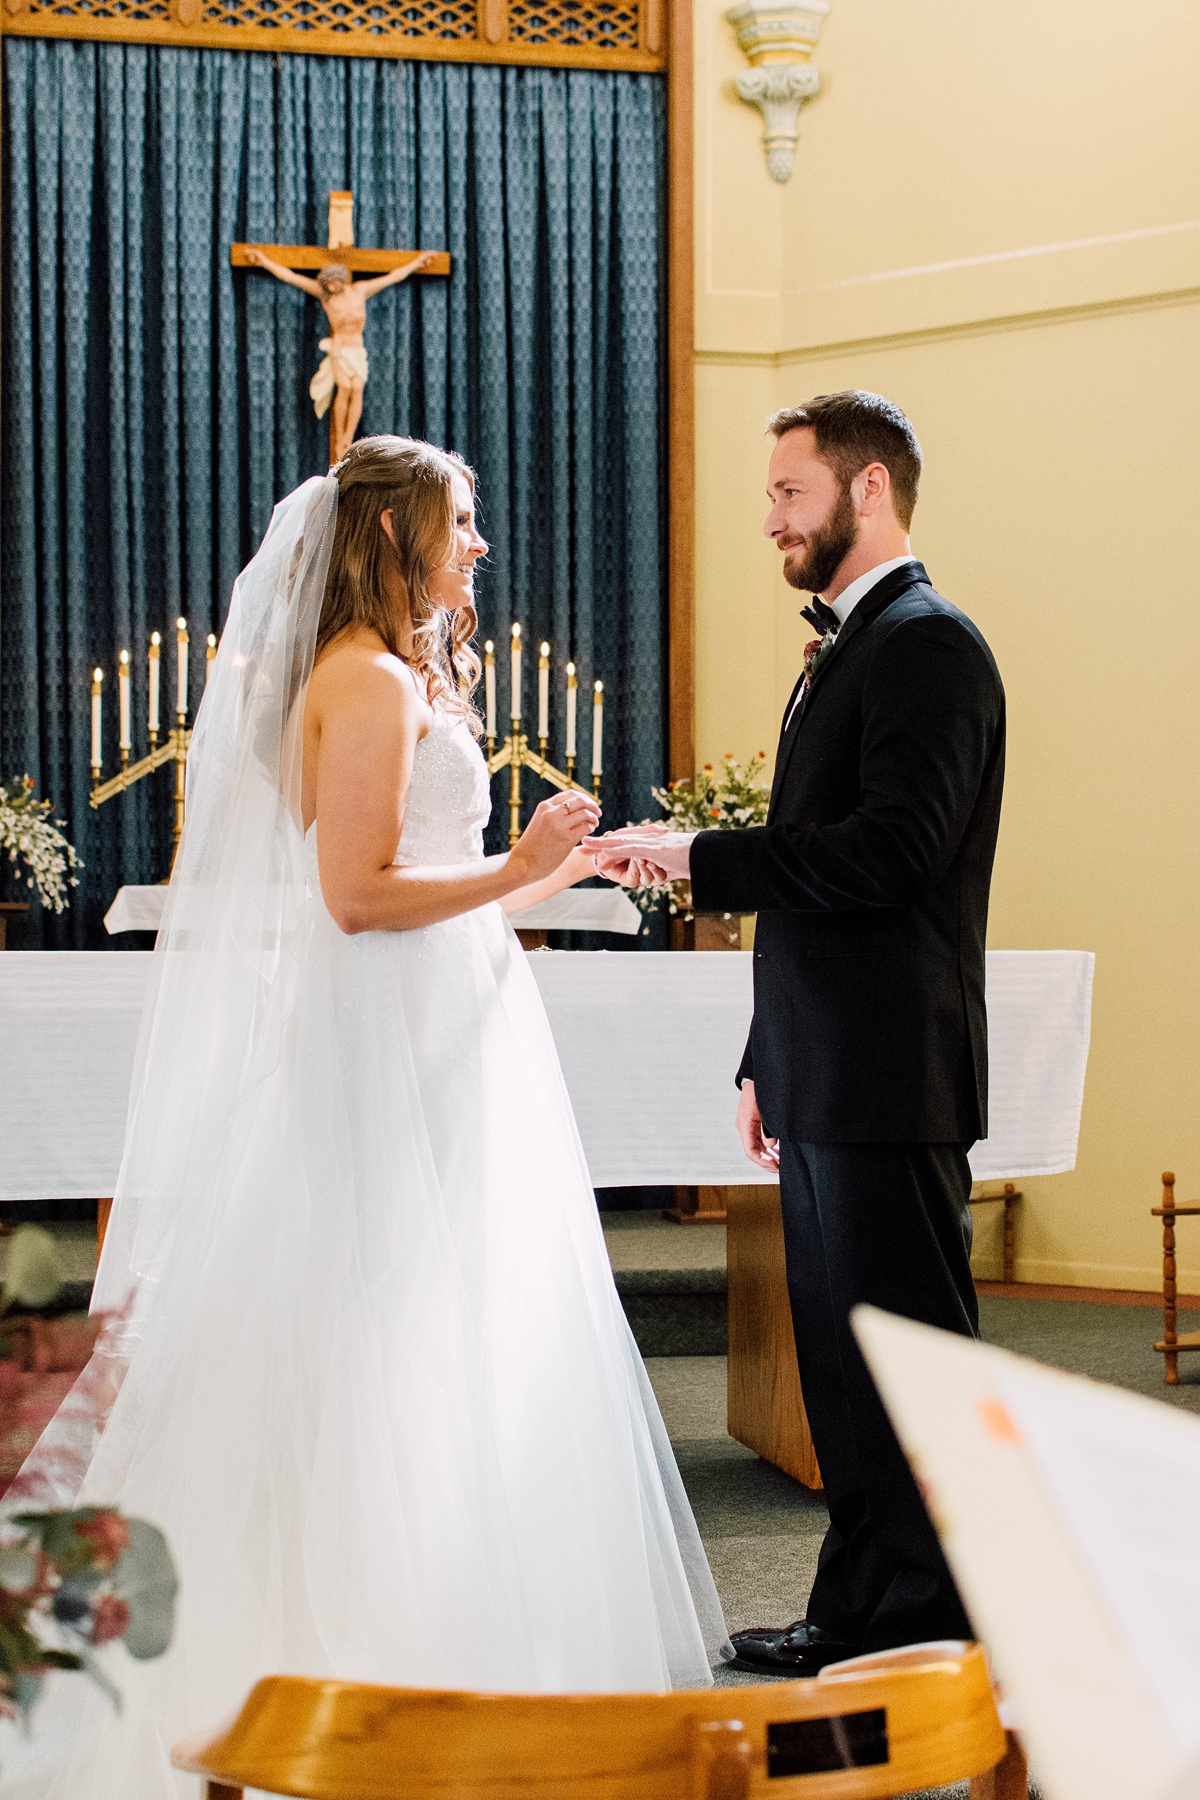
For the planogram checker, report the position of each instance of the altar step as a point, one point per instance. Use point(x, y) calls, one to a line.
point(671, 1279)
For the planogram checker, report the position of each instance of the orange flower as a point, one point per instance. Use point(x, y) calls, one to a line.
point(109, 1535)
point(714, 812)
point(708, 768)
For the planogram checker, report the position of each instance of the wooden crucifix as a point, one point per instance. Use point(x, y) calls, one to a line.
point(342, 376)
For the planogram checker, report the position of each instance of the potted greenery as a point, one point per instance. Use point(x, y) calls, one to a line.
point(724, 799)
point(76, 1579)
point(29, 836)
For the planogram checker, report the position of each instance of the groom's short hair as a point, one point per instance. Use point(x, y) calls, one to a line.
point(855, 428)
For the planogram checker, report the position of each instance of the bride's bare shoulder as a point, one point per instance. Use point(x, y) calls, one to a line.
point(359, 670)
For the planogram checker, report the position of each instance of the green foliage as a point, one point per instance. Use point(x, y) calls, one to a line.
point(725, 799)
point(33, 1274)
point(728, 799)
point(147, 1582)
point(71, 1582)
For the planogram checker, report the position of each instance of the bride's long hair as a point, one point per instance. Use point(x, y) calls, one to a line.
point(412, 479)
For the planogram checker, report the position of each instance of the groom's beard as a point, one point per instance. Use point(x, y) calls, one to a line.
point(825, 549)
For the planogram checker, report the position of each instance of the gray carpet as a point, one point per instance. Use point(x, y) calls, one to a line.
point(762, 1530)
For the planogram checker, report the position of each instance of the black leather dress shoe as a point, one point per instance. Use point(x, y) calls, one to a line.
point(796, 1651)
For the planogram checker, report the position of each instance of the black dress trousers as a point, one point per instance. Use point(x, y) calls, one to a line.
point(888, 1225)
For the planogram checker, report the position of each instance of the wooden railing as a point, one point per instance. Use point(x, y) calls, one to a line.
point(587, 34)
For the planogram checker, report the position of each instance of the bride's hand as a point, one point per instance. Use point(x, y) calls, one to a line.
point(554, 831)
point(579, 866)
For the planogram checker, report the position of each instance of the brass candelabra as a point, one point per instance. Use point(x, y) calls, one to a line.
point(515, 753)
point(174, 749)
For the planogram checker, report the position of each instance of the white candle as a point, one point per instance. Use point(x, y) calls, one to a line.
point(181, 669)
point(516, 671)
point(598, 730)
point(489, 686)
point(544, 692)
point(125, 741)
point(572, 696)
point(97, 685)
point(210, 657)
point(155, 661)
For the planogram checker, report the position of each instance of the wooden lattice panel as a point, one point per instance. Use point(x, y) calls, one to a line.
point(603, 23)
point(590, 34)
point(131, 11)
point(377, 18)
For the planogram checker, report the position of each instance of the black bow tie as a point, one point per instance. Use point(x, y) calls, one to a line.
point(820, 615)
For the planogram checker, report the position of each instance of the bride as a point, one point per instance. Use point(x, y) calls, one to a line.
point(376, 1384)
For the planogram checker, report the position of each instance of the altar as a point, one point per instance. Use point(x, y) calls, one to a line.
point(649, 1043)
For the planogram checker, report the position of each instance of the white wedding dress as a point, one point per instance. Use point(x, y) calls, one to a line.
point(384, 1401)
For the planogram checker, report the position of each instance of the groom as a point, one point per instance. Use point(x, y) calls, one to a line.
point(864, 1081)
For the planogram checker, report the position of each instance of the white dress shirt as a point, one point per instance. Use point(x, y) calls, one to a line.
point(849, 598)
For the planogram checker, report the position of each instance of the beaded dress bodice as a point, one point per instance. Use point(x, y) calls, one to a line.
point(449, 801)
point(449, 797)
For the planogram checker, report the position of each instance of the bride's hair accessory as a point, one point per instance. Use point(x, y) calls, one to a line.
point(413, 481)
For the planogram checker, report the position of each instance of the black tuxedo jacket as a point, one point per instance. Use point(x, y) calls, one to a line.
point(870, 880)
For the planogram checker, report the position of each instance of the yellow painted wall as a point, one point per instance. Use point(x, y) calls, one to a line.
point(995, 220)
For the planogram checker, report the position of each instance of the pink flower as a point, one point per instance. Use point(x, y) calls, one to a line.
point(109, 1535)
point(110, 1619)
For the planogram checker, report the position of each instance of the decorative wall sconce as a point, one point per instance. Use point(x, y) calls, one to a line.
point(772, 38)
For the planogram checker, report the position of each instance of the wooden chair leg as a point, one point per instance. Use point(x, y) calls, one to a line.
point(103, 1214)
point(217, 1790)
point(1009, 1780)
point(1011, 1197)
point(1170, 1359)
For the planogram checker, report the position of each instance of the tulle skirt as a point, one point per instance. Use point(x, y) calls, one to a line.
point(385, 1404)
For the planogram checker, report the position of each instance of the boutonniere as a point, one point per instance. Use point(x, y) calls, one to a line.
point(815, 654)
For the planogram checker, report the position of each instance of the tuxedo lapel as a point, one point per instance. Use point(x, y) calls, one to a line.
point(787, 738)
point(867, 610)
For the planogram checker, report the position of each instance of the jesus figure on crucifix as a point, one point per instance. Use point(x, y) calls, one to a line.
point(343, 374)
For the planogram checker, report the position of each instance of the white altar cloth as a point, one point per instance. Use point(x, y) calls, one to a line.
point(576, 909)
point(649, 1044)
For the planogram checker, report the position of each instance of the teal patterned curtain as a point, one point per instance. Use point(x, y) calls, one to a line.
point(155, 400)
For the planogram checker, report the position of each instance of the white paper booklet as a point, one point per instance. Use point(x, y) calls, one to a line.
point(1070, 1515)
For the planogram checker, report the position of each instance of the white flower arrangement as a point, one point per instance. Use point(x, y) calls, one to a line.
point(27, 834)
point(727, 800)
